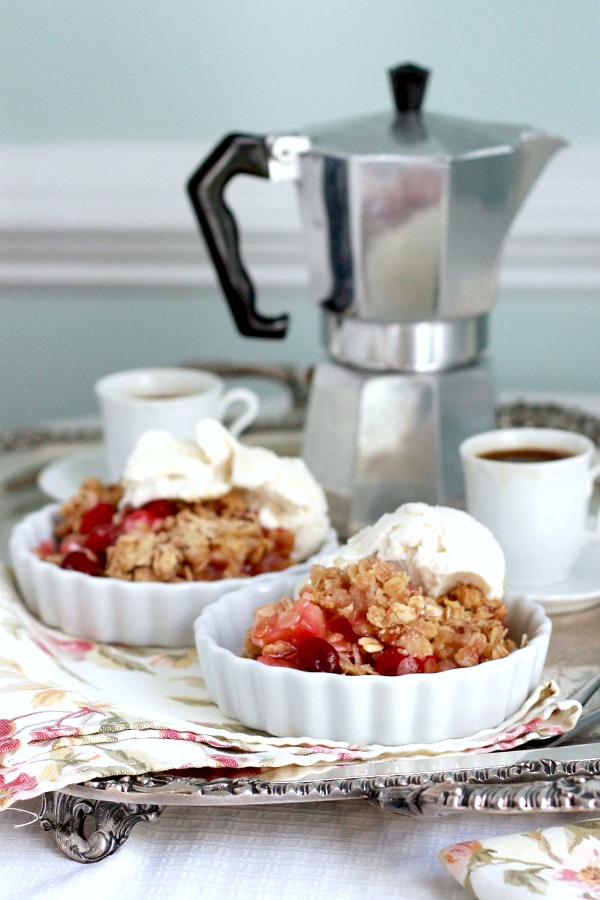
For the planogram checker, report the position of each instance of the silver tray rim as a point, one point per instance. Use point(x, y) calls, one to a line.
point(506, 775)
point(533, 781)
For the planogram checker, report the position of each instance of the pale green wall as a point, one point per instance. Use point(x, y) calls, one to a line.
point(57, 342)
point(60, 341)
point(548, 342)
point(191, 69)
point(86, 69)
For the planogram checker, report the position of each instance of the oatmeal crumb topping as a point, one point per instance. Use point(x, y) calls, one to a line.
point(369, 607)
point(201, 541)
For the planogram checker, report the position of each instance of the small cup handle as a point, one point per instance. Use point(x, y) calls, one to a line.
point(252, 407)
point(594, 522)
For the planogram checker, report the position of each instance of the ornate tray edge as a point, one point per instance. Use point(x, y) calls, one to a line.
point(548, 785)
point(345, 781)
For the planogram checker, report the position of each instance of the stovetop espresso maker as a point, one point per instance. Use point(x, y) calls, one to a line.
point(404, 216)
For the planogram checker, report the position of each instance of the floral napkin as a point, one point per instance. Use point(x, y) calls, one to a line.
point(560, 863)
point(73, 709)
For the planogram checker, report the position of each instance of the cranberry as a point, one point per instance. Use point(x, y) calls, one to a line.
point(138, 520)
point(341, 625)
point(160, 508)
point(396, 662)
point(101, 537)
point(387, 663)
point(70, 543)
point(429, 664)
point(214, 570)
point(317, 655)
point(98, 515)
point(147, 516)
point(45, 548)
point(79, 561)
point(270, 562)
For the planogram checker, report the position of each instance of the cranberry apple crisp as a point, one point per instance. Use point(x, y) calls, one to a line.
point(164, 540)
point(369, 619)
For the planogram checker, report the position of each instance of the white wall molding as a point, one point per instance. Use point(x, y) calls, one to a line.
point(114, 215)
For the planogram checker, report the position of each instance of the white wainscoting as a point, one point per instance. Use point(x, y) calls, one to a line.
point(117, 214)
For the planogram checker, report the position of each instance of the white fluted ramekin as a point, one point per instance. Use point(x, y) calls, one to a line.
point(112, 610)
point(363, 709)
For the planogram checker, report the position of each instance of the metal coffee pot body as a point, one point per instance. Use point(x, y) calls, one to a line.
point(404, 216)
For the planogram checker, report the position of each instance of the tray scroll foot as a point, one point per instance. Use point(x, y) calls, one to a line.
point(90, 830)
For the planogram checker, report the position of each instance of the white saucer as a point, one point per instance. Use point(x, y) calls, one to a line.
point(62, 478)
point(581, 590)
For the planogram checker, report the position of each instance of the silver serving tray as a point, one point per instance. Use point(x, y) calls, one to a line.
point(91, 820)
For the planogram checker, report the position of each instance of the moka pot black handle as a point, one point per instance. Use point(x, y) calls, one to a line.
point(236, 154)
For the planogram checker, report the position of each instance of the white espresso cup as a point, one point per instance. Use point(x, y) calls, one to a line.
point(532, 487)
point(168, 399)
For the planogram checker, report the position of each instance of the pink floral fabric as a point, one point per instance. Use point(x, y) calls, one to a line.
point(73, 709)
point(561, 863)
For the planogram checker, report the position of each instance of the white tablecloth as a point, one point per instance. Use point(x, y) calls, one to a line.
point(349, 850)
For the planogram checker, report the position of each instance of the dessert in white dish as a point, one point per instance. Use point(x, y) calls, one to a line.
point(184, 511)
point(416, 708)
point(136, 561)
point(109, 609)
point(399, 636)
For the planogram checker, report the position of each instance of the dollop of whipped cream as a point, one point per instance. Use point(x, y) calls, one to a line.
point(438, 546)
point(281, 489)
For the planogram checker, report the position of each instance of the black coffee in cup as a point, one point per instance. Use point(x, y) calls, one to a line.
point(526, 455)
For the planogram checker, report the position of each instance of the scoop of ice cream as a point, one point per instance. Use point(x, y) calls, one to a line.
point(282, 489)
point(160, 466)
point(438, 546)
